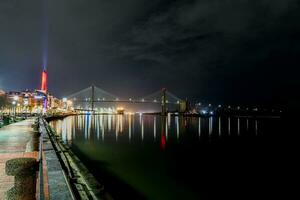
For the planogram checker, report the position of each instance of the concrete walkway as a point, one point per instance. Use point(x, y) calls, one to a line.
point(53, 172)
point(16, 141)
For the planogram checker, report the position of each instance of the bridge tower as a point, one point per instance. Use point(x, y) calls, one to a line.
point(164, 102)
point(93, 97)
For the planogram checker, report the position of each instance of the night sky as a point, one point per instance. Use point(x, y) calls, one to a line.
point(219, 51)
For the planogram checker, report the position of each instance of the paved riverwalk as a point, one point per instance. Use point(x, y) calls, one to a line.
point(16, 141)
point(54, 176)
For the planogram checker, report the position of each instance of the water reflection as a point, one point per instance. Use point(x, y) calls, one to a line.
point(238, 126)
point(210, 127)
point(247, 124)
point(164, 133)
point(177, 126)
point(154, 128)
point(219, 126)
point(199, 127)
point(256, 127)
point(228, 125)
point(149, 129)
point(142, 127)
point(159, 153)
point(129, 127)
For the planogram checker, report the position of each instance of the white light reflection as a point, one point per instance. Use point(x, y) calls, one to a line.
point(121, 124)
point(64, 131)
point(256, 127)
point(102, 126)
point(169, 120)
point(166, 126)
point(177, 126)
point(247, 124)
point(219, 126)
point(210, 125)
point(109, 122)
point(199, 127)
point(142, 127)
point(97, 124)
point(154, 128)
point(129, 128)
point(69, 129)
point(89, 126)
point(238, 128)
point(86, 127)
point(228, 125)
point(74, 121)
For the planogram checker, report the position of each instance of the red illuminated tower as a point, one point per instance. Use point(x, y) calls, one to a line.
point(44, 86)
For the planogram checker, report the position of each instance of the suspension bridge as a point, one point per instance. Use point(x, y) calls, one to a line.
point(91, 95)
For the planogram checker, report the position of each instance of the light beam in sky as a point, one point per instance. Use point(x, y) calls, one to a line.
point(45, 35)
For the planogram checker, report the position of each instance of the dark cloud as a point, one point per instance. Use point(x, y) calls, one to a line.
point(218, 50)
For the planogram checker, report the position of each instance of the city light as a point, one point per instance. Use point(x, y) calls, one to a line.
point(204, 112)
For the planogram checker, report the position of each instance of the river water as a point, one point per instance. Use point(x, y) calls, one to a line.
point(154, 157)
